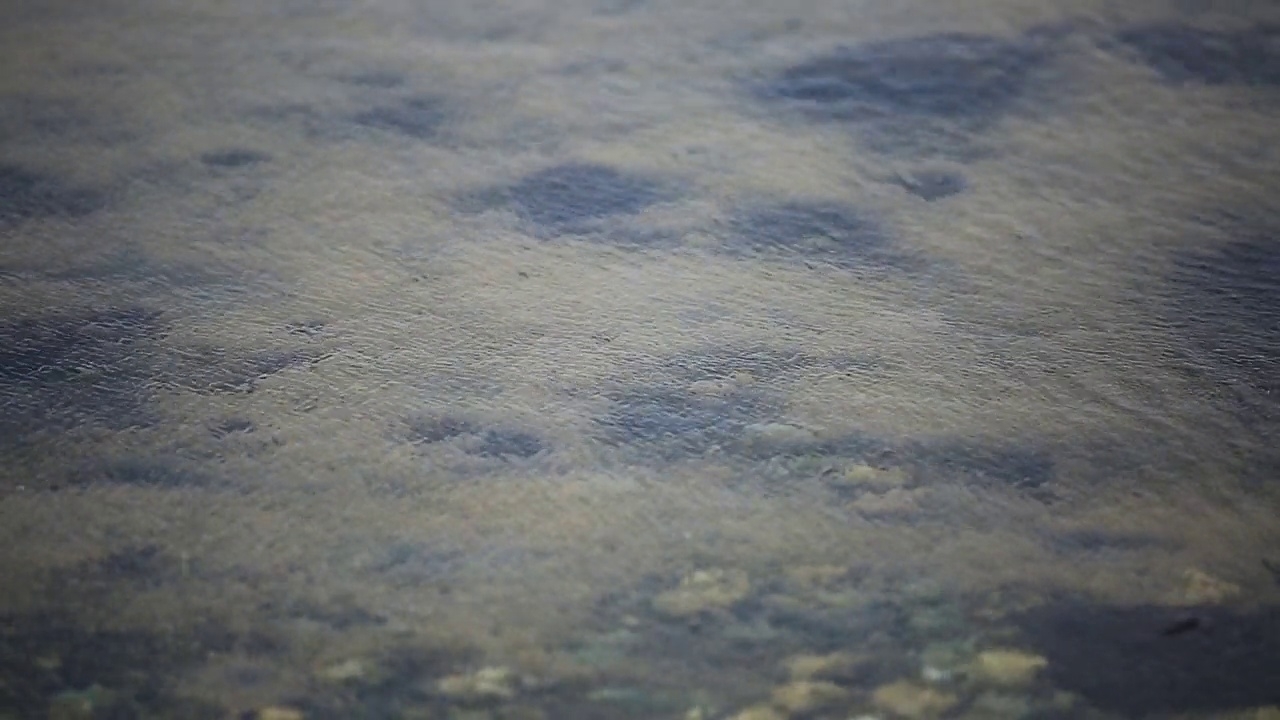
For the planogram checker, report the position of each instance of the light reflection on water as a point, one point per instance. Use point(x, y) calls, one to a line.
point(638, 361)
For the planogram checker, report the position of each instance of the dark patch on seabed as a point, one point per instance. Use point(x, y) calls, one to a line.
point(146, 565)
point(1149, 659)
point(1226, 304)
point(574, 197)
point(1016, 465)
point(1230, 303)
point(70, 368)
point(677, 423)
point(142, 472)
point(64, 370)
point(381, 79)
point(822, 232)
point(53, 667)
point(473, 438)
point(233, 158)
point(420, 118)
point(30, 195)
point(1183, 54)
point(696, 401)
point(921, 94)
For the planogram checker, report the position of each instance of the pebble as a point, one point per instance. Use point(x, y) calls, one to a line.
point(892, 502)
point(777, 434)
point(805, 696)
point(839, 665)
point(759, 712)
point(704, 590)
point(912, 700)
point(491, 683)
point(817, 577)
point(871, 478)
point(1007, 668)
point(344, 671)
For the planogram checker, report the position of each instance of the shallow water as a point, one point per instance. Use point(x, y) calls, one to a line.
point(604, 359)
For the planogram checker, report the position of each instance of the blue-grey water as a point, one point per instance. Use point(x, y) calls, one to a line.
point(893, 360)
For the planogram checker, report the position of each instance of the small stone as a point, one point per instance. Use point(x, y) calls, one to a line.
point(491, 683)
point(942, 662)
point(704, 590)
point(912, 700)
point(344, 671)
point(817, 577)
point(835, 666)
point(875, 479)
point(759, 712)
point(806, 696)
point(776, 434)
point(278, 712)
point(1201, 588)
point(893, 502)
point(1007, 668)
